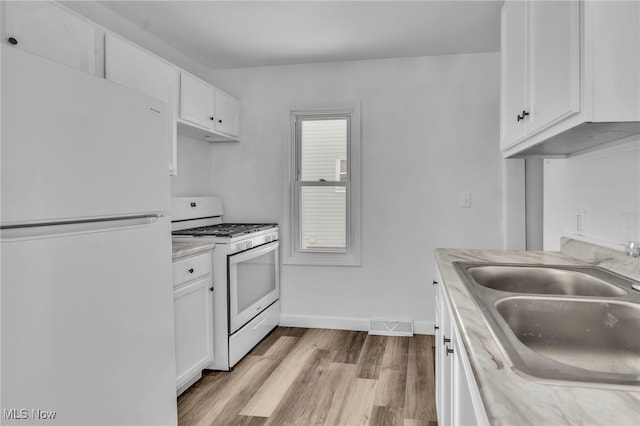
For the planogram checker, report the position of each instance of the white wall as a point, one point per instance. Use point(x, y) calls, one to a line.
point(429, 132)
point(194, 178)
point(604, 184)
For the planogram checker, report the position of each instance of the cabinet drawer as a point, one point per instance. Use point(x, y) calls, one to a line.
point(191, 268)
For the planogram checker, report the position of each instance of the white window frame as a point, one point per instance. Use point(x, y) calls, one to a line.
point(339, 161)
point(351, 256)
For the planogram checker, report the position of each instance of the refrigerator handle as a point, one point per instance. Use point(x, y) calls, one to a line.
point(74, 227)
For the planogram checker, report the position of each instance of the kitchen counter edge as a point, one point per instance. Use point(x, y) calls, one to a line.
point(180, 249)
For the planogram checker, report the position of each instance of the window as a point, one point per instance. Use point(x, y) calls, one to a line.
point(325, 186)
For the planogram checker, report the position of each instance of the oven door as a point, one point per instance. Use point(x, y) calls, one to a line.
point(254, 283)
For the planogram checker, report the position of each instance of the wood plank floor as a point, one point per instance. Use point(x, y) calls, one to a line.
point(304, 377)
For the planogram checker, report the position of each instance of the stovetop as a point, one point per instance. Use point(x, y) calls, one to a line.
point(225, 230)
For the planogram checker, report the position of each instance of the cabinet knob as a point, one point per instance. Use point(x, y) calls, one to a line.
point(190, 270)
point(211, 118)
point(220, 121)
point(12, 40)
point(435, 327)
point(449, 351)
point(445, 340)
point(521, 117)
point(210, 288)
point(435, 282)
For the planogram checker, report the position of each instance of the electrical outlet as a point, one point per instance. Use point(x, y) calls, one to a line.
point(465, 200)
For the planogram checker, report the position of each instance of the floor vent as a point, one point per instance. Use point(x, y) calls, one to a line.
point(391, 328)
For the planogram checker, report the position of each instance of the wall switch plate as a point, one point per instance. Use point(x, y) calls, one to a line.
point(581, 221)
point(465, 199)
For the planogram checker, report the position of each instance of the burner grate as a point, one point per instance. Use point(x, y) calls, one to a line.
point(226, 230)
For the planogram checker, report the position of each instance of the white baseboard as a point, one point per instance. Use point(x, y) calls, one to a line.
point(334, 323)
point(343, 323)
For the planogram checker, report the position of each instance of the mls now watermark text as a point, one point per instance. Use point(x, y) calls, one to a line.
point(24, 414)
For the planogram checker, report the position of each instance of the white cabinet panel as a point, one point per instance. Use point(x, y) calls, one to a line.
point(49, 30)
point(193, 317)
point(193, 308)
point(191, 268)
point(196, 101)
point(227, 118)
point(553, 62)
point(130, 66)
point(513, 88)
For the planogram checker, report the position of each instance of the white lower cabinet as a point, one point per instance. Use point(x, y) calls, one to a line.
point(193, 316)
point(458, 400)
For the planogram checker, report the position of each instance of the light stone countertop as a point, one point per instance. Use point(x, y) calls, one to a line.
point(512, 399)
point(181, 249)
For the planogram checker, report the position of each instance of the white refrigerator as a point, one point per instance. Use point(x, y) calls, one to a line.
point(86, 295)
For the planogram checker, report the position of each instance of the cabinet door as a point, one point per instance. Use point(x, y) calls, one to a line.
point(553, 62)
point(196, 101)
point(227, 114)
point(137, 69)
point(463, 409)
point(445, 387)
point(512, 64)
point(193, 311)
point(48, 30)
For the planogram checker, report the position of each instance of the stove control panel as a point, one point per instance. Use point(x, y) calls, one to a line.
point(249, 243)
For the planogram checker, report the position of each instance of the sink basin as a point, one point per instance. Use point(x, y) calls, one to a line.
point(542, 280)
point(588, 334)
point(564, 324)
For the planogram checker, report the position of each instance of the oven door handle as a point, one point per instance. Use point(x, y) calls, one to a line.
point(253, 253)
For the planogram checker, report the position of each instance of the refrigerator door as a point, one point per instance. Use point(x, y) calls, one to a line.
point(87, 323)
point(77, 146)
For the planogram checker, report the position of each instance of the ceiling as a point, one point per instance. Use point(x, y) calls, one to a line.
point(232, 34)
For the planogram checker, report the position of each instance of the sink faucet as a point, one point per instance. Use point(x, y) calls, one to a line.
point(632, 248)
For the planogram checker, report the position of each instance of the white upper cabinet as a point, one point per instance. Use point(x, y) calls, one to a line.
point(196, 101)
point(207, 112)
point(51, 31)
point(512, 90)
point(570, 75)
point(227, 118)
point(133, 67)
point(553, 62)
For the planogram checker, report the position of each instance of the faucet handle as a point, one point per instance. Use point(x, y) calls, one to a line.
point(632, 248)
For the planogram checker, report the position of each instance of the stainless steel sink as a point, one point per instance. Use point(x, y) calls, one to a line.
point(541, 280)
point(574, 325)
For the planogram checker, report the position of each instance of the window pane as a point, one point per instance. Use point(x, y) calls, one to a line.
point(322, 218)
point(322, 141)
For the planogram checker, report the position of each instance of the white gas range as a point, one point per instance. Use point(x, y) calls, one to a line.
point(246, 276)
